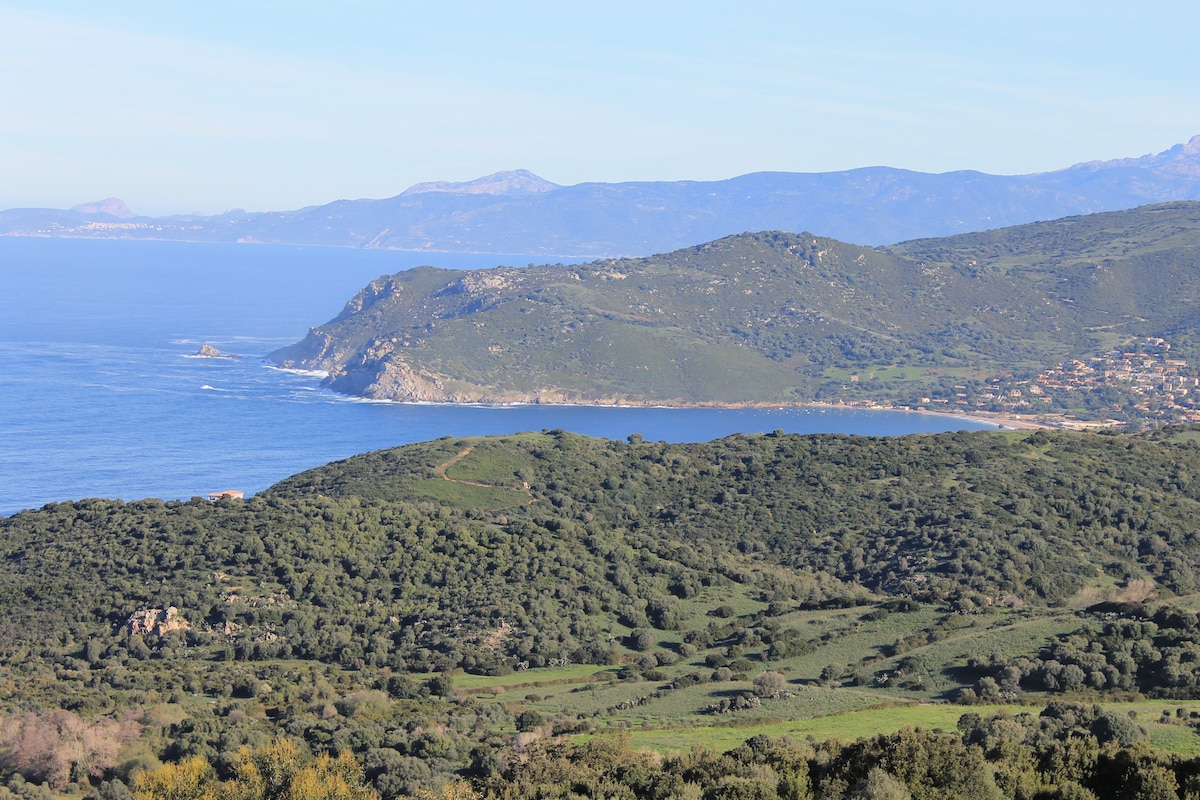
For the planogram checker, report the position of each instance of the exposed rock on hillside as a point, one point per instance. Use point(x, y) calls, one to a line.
point(157, 621)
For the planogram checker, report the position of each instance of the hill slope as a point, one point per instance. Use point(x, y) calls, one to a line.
point(772, 317)
point(416, 553)
point(712, 591)
point(517, 212)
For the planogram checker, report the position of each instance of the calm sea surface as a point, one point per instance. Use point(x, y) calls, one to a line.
point(99, 396)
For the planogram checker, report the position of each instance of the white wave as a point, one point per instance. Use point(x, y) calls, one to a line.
point(311, 373)
point(345, 398)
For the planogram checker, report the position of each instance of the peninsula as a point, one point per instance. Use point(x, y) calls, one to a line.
point(1088, 316)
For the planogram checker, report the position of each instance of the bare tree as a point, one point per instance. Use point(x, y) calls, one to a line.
point(59, 747)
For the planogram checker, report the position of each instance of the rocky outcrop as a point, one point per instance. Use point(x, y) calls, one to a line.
point(379, 374)
point(317, 351)
point(382, 373)
point(157, 621)
point(208, 351)
point(375, 291)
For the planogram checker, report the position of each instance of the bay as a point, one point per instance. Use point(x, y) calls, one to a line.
point(101, 394)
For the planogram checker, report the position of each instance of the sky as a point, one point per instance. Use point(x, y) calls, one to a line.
point(214, 105)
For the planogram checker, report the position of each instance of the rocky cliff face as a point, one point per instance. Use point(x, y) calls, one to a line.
point(157, 621)
point(381, 372)
point(316, 351)
point(380, 289)
point(361, 362)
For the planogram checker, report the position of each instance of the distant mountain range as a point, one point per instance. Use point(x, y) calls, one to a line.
point(518, 212)
point(778, 317)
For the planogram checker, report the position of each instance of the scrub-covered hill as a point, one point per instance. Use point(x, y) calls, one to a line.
point(434, 608)
point(478, 552)
point(789, 318)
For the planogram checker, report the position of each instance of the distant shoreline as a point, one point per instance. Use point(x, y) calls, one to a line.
point(1001, 420)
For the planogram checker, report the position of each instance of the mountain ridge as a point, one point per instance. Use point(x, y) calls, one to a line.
point(519, 212)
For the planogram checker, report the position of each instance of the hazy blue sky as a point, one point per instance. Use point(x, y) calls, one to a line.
point(263, 105)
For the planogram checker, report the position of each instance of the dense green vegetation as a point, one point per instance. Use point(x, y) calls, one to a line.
point(1127, 646)
point(1068, 751)
point(780, 317)
point(440, 609)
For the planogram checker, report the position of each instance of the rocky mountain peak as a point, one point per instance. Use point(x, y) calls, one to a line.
point(113, 206)
point(515, 181)
point(1182, 159)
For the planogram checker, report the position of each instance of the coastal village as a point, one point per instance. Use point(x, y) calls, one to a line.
point(1146, 383)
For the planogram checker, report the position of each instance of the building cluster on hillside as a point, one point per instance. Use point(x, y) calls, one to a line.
point(1148, 380)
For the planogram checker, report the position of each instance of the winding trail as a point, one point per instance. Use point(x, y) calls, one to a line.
point(440, 471)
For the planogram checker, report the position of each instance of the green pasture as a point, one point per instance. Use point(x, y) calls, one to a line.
point(856, 724)
point(468, 495)
point(544, 676)
point(488, 465)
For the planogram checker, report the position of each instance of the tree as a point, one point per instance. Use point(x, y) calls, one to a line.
point(879, 785)
point(641, 640)
point(1113, 726)
point(60, 747)
point(267, 772)
point(1151, 781)
point(278, 771)
point(769, 684)
point(528, 720)
point(440, 685)
point(191, 779)
point(830, 673)
point(330, 778)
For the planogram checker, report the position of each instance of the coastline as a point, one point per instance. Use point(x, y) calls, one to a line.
point(435, 394)
point(1002, 421)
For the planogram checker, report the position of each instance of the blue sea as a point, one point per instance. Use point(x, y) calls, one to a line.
point(101, 395)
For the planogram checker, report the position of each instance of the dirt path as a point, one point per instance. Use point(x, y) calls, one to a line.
point(440, 471)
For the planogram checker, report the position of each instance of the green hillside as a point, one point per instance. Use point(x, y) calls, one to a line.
point(974, 320)
point(426, 607)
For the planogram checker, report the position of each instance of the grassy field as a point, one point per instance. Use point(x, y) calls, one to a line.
point(574, 674)
point(469, 495)
point(1174, 738)
point(665, 719)
point(498, 467)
